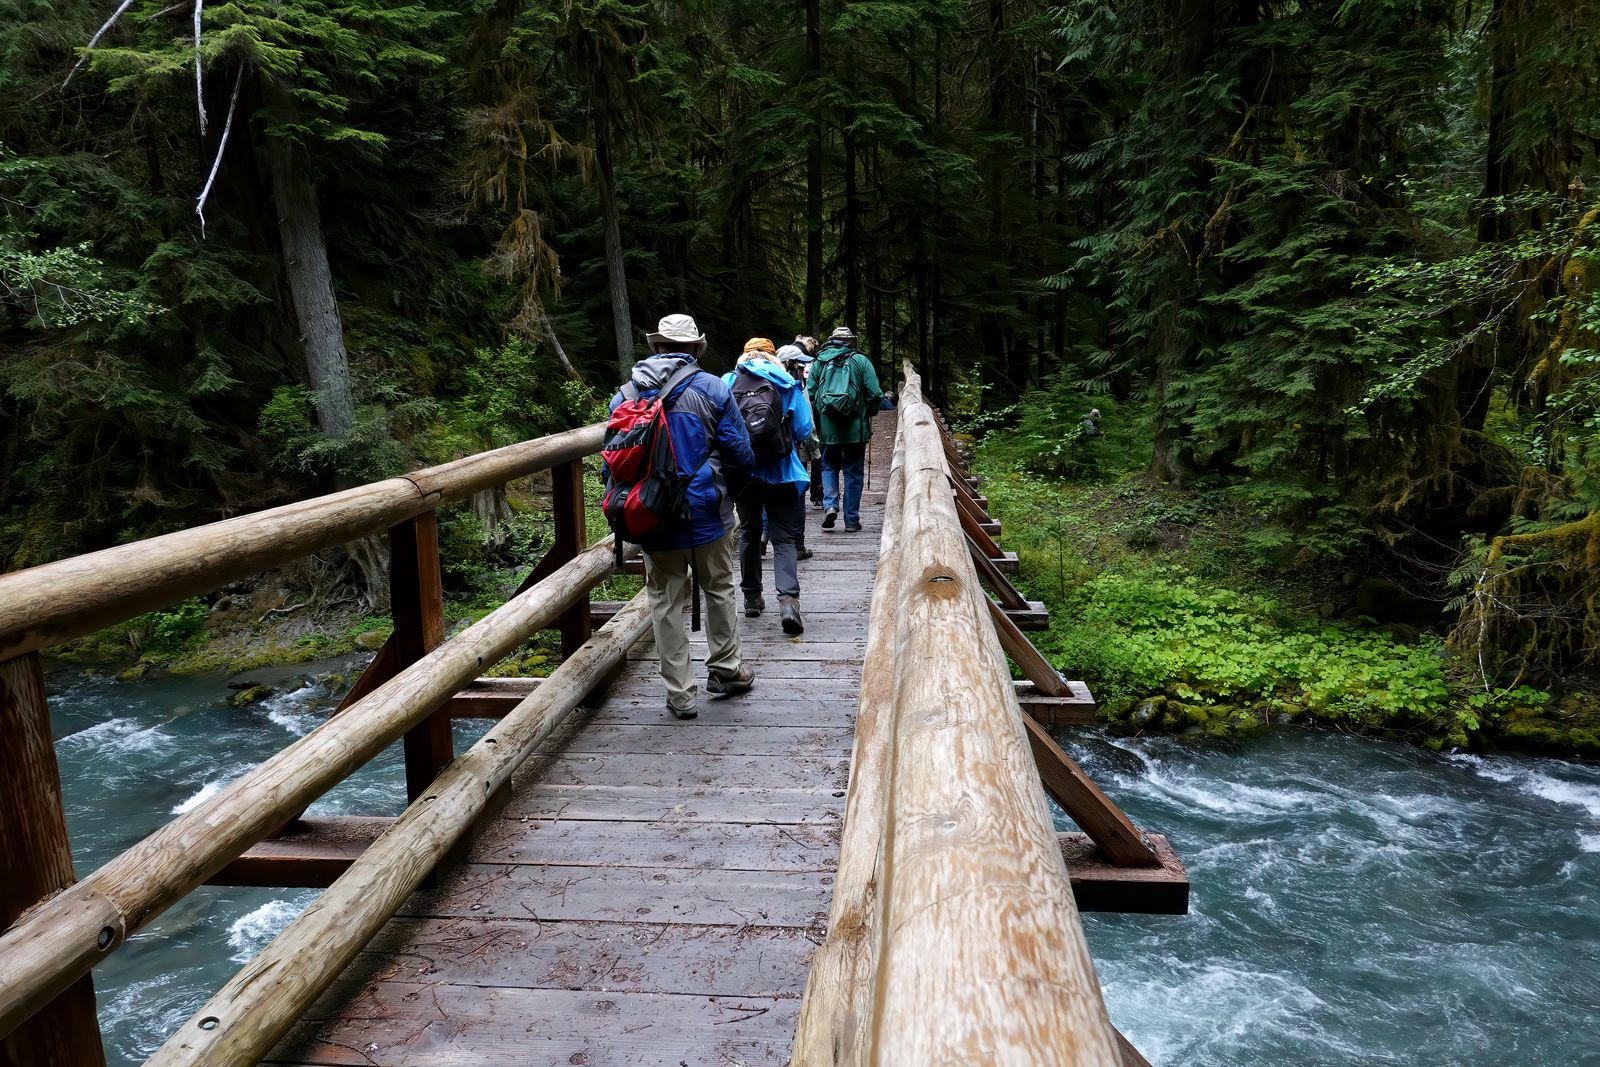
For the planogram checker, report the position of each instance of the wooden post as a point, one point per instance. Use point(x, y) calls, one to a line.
point(1081, 799)
point(416, 601)
point(974, 529)
point(997, 582)
point(1024, 655)
point(571, 538)
point(38, 863)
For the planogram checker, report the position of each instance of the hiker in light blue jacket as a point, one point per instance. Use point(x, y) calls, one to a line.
point(776, 413)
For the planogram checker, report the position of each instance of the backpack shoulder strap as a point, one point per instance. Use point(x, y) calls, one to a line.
point(629, 391)
point(681, 375)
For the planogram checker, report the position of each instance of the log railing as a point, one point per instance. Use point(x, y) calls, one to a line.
point(953, 936)
point(55, 930)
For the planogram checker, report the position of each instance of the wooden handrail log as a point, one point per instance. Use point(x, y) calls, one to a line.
point(836, 1010)
point(982, 957)
point(55, 602)
point(265, 999)
point(63, 938)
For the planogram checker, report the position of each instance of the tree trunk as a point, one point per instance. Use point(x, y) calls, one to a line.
point(305, 262)
point(851, 250)
point(1189, 46)
point(814, 175)
point(616, 272)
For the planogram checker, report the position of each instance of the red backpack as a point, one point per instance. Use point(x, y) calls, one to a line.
point(645, 490)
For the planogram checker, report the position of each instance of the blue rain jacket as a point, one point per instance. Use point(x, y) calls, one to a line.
point(712, 445)
point(796, 406)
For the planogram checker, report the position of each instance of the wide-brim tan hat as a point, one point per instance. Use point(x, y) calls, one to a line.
point(678, 329)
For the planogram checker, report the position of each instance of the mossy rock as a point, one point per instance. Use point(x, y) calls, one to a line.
point(135, 672)
point(372, 640)
point(254, 695)
point(1570, 727)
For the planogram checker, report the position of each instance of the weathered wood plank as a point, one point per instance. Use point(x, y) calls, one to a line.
point(675, 771)
point(1100, 885)
point(639, 856)
point(706, 845)
point(649, 804)
point(399, 1024)
point(639, 957)
point(788, 706)
point(777, 649)
point(626, 894)
point(309, 853)
point(710, 739)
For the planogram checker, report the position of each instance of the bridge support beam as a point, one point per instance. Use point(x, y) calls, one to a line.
point(33, 840)
point(416, 601)
point(571, 538)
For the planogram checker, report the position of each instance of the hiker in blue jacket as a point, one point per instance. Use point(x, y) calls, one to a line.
point(713, 450)
point(773, 496)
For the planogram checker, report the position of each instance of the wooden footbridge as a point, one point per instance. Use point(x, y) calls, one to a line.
point(853, 864)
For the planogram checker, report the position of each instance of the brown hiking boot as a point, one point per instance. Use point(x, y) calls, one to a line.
point(789, 609)
point(727, 687)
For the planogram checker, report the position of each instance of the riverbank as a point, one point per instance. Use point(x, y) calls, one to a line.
point(1185, 616)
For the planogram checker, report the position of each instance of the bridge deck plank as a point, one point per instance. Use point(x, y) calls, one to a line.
point(653, 890)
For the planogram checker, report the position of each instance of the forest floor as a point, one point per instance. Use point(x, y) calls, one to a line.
point(1183, 617)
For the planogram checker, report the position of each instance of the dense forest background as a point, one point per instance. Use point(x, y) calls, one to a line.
point(1329, 263)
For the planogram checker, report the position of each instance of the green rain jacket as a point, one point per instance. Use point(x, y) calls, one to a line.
point(855, 427)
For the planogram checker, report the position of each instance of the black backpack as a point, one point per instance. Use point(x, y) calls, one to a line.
point(761, 407)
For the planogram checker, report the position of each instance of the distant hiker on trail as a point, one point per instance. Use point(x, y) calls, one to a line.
point(1090, 426)
point(672, 494)
point(797, 362)
point(844, 395)
point(808, 346)
point(775, 412)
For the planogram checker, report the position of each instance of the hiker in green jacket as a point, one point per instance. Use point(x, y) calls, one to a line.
point(844, 396)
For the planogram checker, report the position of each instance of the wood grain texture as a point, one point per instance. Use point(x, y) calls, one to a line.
point(410, 1024)
point(1028, 659)
point(265, 999)
point(38, 864)
point(56, 943)
point(995, 579)
point(45, 605)
point(416, 601)
point(1086, 804)
point(1099, 885)
point(837, 1010)
point(982, 957)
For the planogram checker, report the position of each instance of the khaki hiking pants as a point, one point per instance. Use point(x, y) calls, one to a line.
point(666, 579)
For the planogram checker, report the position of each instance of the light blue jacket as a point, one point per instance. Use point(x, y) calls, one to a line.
point(798, 410)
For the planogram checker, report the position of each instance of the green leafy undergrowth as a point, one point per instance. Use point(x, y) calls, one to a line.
point(1166, 632)
point(1161, 603)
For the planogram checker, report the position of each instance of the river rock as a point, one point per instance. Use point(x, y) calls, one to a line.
point(254, 695)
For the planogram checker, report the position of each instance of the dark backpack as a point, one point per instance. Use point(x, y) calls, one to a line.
point(761, 406)
point(645, 489)
point(835, 390)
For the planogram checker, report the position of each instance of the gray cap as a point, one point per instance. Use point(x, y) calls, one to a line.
point(842, 333)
